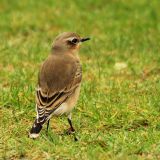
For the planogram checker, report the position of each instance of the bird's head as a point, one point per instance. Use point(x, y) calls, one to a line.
point(68, 41)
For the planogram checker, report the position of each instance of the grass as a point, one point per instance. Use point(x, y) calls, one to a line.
point(118, 113)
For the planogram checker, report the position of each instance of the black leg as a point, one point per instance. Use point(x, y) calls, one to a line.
point(71, 126)
point(48, 125)
point(71, 129)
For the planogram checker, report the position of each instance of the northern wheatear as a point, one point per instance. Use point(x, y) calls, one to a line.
point(59, 81)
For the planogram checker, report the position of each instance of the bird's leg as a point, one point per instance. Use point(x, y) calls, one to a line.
point(48, 125)
point(71, 129)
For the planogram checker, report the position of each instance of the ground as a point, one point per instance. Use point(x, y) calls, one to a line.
point(118, 112)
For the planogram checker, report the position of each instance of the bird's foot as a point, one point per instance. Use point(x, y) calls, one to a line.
point(70, 131)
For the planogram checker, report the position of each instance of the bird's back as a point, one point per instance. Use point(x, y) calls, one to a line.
point(57, 72)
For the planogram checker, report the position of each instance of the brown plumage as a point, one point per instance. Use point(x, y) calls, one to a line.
point(59, 81)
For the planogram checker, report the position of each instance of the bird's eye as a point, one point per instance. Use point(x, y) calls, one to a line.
point(74, 41)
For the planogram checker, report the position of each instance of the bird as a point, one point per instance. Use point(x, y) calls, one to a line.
point(59, 82)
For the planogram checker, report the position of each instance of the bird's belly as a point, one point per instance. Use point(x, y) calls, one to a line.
point(63, 108)
point(68, 105)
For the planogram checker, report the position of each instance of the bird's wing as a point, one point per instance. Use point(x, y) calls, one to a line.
point(58, 79)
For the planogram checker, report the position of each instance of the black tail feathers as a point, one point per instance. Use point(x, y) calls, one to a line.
point(36, 128)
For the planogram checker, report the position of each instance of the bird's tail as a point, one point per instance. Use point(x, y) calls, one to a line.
point(36, 128)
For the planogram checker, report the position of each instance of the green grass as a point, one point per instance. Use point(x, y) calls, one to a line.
point(118, 113)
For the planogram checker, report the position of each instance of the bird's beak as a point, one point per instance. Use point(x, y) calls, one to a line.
point(84, 39)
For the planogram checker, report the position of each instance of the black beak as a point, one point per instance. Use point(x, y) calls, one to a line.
point(84, 39)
